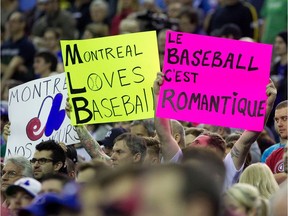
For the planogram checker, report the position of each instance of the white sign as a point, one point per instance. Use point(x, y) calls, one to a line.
point(37, 113)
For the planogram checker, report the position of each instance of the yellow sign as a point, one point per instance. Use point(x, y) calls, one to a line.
point(110, 79)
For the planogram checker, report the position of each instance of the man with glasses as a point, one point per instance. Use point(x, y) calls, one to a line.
point(49, 158)
point(14, 169)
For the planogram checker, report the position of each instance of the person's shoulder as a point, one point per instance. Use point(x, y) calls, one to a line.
point(272, 148)
point(277, 152)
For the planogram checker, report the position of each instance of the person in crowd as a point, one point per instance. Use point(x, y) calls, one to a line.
point(240, 13)
point(279, 201)
point(205, 157)
point(54, 17)
point(14, 168)
point(113, 193)
point(174, 9)
point(21, 193)
point(280, 123)
point(45, 63)
point(99, 11)
point(260, 176)
point(17, 52)
point(88, 171)
point(277, 163)
point(80, 11)
point(8, 85)
point(245, 200)
point(63, 204)
point(49, 158)
point(124, 8)
point(234, 161)
point(279, 68)
point(108, 141)
point(95, 30)
point(53, 183)
point(128, 149)
point(195, 192)
point(143, 128)
point(189, 21)
point(191, 133)
point(129, 25)
point(153, 155)
point(231, 31)
point(4, 120)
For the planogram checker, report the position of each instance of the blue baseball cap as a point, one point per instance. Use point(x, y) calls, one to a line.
point(49, 203)
point(111, 135)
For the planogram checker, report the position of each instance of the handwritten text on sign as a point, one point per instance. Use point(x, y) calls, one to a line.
point(110, 79)
point(215, 81)
point(37, 112)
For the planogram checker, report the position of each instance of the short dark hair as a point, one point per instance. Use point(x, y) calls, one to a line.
point(231, 29)
point(191, 13)
point(48, 58)
point(136, 144)
point(153, 145)
point(58, 154)
point(57, 176)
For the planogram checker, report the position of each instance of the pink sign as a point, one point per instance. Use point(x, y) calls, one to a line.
point(215, 81)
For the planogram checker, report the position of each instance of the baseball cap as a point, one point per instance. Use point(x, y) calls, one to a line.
point(49, 203)
point(30, 185)
point(108, 141)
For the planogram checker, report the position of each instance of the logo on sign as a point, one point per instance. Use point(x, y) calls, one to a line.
point(38, 126)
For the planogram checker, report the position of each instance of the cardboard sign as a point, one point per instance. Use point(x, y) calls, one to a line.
point(110, 79)
point(215, 81)
point(37, 113)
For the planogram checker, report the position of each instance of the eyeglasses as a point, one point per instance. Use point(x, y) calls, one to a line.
point(41, 161)
point(10, 174)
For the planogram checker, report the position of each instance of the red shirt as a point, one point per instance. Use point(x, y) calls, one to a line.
point(275, 161)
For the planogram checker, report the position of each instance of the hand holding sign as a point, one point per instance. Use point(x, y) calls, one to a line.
point(271, 92)
point(157, 83)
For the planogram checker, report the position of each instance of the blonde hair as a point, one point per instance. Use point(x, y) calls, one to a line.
point(247, 196)
point(260, 176)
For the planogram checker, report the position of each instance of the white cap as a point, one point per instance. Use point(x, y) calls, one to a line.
point(30, 185)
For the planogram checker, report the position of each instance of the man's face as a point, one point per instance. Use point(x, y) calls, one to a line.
point(121, 154)
point(281, 122)
point(15, 24)
point(40, 66)
point(10, 174)
point(51, 185)
point(41, 170)
point(139, 130)
point(19, 200)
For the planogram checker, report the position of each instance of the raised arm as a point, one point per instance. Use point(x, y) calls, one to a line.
point(169, 146)
point(242, 146)
point(88, 142)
